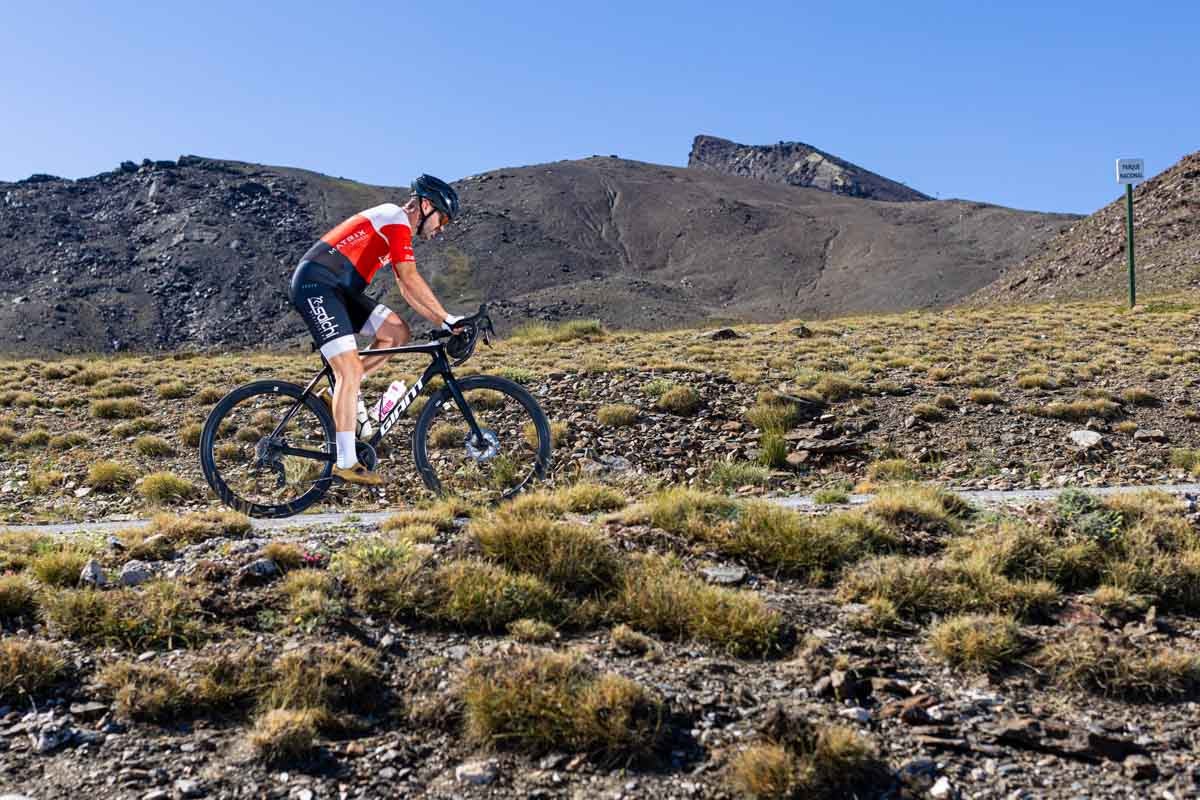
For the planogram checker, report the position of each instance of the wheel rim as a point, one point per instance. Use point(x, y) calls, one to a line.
point(256, 467)
point(503, 464)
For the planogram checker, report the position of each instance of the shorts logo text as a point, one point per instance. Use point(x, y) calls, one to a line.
point(327, 324)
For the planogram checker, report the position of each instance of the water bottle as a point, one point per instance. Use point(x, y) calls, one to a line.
point(364, 421)
point(389, 400)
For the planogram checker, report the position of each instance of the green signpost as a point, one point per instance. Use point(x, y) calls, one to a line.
point(1129, 172)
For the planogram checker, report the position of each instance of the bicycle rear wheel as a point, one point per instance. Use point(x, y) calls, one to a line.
point(515, 451)
point(262, 474)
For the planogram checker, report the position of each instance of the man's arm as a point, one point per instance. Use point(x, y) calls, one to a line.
point(416, 293)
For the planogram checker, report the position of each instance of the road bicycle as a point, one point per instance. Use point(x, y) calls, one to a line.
point(268, 447)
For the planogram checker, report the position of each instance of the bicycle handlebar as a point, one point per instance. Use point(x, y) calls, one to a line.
point(470, 328)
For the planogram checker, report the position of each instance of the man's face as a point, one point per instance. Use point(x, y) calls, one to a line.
point(434, 220)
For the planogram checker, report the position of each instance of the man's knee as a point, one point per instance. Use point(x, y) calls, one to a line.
point(394, 332)
point(347, 367)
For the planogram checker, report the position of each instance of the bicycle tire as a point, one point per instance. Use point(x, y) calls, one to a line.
point(470, 384)
point(208, 462)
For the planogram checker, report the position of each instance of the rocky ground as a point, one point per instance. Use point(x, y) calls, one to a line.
point(931, 729)
point(1083, 394)
point(915, 648)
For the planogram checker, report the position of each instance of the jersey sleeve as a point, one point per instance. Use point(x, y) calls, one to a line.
point(399, 239)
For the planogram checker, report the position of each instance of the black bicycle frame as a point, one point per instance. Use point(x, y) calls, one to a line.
point(439, 366)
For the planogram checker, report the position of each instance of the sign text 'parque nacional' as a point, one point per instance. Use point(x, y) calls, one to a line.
point(1130, 170)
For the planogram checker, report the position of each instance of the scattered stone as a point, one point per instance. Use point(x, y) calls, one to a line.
point(802, 332)
point(93, 574)
point(1155, 435)
point(1086, 440)
point(722, 334)
point(942, 789)
point(187, 787)
point(135, 573)
point(47, 734)
point(1114, 748)
point(724, 576)
point(477, 773)
point(88, 711)
point(1140, 768)
point(553, 761)
point(83, 491)
point(847, 685)
point(860, 715)
point(259, 572)
point(154, 543)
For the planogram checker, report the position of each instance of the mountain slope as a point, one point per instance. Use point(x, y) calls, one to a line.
point(649, 246)
point(796, 164)
point(198, 252)
point(1089, 259)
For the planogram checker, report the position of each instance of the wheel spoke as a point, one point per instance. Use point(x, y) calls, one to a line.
point(270, 475)
point(507, 460)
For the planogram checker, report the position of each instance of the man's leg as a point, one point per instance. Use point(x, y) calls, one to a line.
point(392, 332)
point(348, 372)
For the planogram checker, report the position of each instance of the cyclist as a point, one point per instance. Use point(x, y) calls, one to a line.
point(328, 290)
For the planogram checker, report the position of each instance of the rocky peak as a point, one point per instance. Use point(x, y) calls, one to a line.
point(796, 164)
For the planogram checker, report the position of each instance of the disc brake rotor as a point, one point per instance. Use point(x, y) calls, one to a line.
point(485, 451)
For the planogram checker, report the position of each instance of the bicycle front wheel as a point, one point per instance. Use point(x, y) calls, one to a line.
point(258, 463)
point(513, 453)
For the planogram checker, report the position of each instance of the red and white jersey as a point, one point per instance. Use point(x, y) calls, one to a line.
point(371, 239)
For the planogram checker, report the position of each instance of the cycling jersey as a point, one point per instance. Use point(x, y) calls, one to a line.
point(364, 243)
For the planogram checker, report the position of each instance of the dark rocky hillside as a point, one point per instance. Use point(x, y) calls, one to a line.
point(1089, 258)
point(196, 253)
point(796, 164)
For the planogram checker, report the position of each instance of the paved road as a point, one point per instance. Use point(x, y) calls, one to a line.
point(803, 502)
point(1009, 497)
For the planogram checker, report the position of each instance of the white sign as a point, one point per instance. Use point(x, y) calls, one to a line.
point(1130, 170)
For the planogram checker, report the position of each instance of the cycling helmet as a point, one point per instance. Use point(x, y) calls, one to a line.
point(438, 192)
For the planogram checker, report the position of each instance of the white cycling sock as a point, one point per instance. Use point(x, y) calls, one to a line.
point(347, 456)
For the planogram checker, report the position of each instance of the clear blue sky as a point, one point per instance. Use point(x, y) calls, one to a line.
point(1020, 103)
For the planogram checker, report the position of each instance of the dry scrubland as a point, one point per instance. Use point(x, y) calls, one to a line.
point(973, 398)
point(642, 628)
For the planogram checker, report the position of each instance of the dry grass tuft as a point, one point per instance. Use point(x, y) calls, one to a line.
point(28, 668)
point(127, 408)
point(341, 676)
point(1098, 662)
point(658, 597)
point(163, 614)
point(682, 400)
point(109, 476)
point(18, 598)
point(617, 416)
point(540, 702)
point(800, 760)
point(59, 566)
point(574, 559)
point(153, 446)
point(285, 736)
point(143, 691)
point(165, 488)
point(532, 631)
point(978, 643)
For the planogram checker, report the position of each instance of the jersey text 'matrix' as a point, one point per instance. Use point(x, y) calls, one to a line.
point(369, 240)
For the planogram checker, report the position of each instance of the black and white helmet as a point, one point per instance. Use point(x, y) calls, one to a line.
point(438, 192)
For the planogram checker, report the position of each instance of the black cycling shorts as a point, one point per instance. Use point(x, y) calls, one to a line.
point(334, 307)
